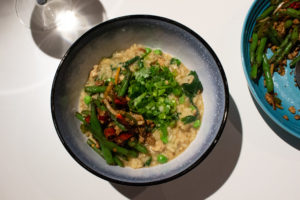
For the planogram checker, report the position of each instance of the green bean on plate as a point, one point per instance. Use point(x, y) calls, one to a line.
point(274, 45)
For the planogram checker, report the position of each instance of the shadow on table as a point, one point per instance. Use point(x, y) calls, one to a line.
point(6, 7)
point(56, 42)
point(207, 177)
point(284, 135)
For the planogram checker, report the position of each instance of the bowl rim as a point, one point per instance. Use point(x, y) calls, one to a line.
point(152, 17)
point(252, 90)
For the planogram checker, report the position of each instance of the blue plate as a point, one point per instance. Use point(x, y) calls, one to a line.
point(284, 86)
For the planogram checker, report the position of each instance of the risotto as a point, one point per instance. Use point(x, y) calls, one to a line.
point(141, 107)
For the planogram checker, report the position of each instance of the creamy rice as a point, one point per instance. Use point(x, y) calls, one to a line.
point(179, 136)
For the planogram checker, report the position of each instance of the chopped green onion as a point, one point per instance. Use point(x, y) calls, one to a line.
point(197, 124)
point(157, 52)
point(164, 134)
point(181, 99)
point(175, 61)
point(148, 50)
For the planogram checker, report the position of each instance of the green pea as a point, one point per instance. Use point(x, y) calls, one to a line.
point(157, 52)
point(87, 99)
point(162, 159)
point(197, 124)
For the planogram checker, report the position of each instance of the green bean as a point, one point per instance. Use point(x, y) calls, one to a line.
point(121, 126)
point(116, 148)
point(141, 148)
point(164, 134)
point(107, 155)
point(288, 23)
point(295, 60)
point(86, 112)
point(293, 13)
point(80, 117)
point(118, 161)
point(285, 51)
point(95, 124)
point(268, 76)
point(281, 48)
point(273, 36)
point(260, 51)
point(94, 89)
point(138, 146)
point(295, 35)
point(266, 13)
point(130, 62)
point(253, 46)
point(253, 72)
point(125, 84)
point(122, 156)
point(99, 135)
point(263, 29)
point(93, 146)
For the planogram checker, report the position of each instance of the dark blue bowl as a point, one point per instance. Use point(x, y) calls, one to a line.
point(284, 86)
point(121, 33)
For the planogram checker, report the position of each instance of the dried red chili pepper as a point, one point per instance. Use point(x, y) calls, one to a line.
point(124, 136)
point(295, 5)
point(108, 132)
point(120, 101)
point(87, 119)
point(102, 118)
point(119, 116)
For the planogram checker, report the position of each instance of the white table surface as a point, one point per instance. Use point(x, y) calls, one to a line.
point(253, 159)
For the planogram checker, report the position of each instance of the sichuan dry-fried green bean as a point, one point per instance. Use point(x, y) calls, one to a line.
point(268, 76)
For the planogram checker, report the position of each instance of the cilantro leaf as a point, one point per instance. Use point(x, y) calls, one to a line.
point(189, 119)
point(142, 74)
point(191, 89)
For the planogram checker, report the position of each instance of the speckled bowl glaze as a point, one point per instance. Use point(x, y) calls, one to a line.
point(284, 86)
point(118, 34)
